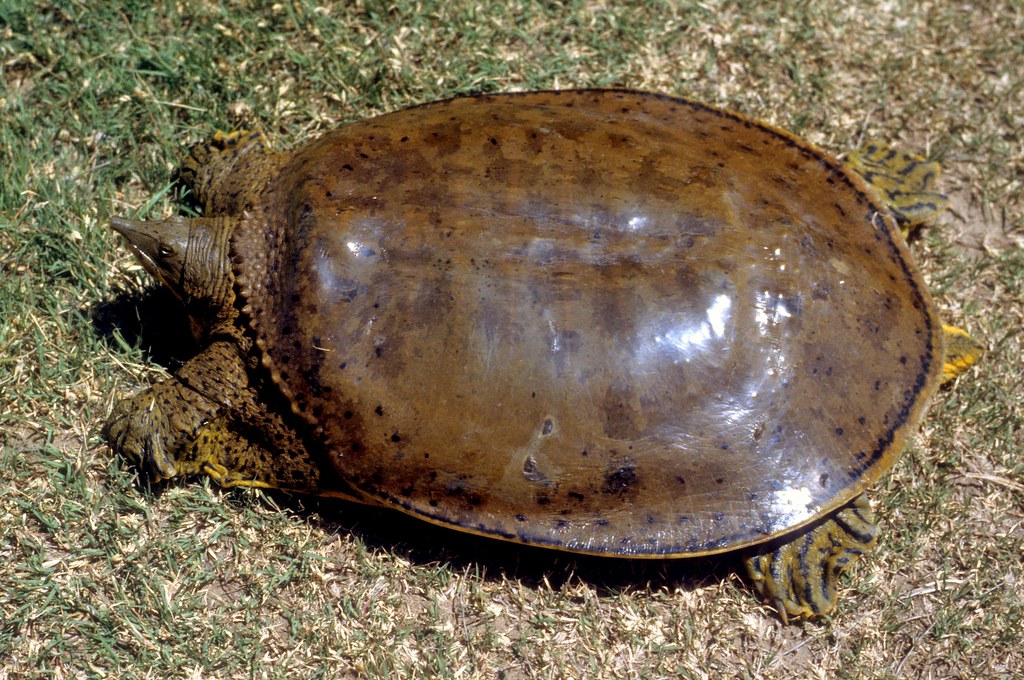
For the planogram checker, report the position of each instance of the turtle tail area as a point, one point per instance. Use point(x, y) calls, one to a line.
point(962, 352)
point(800, 576)
point(219, 171)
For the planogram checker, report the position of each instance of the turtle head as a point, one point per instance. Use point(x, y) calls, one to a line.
point(189, 256)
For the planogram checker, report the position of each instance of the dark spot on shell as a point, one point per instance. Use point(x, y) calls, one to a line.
point(395, 437)
point(347, 415)
point(379, 410)
point(823, 480)
point(460, 489)
point(520, 518)
point(619, 479)
point(576, 496)
point(758, 432)
point(602, 522)
point(531, 472)
point(720, 480)
point(839, 431)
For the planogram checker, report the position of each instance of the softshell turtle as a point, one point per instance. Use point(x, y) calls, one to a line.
point(604, 321)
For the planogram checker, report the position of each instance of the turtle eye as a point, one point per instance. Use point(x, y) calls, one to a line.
point(164, 251)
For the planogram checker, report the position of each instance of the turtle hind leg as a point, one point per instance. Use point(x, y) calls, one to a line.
point(800, 577)
point(906, 183)
point(217, 170)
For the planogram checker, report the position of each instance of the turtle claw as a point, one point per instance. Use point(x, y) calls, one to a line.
point(780, 607)
point(136, 430)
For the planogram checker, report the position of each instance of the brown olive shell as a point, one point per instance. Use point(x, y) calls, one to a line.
point(608, 321)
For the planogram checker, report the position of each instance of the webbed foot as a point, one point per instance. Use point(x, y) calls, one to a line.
point(800, 577)
point(150, 428)
point(906, 183)
point(212, 165)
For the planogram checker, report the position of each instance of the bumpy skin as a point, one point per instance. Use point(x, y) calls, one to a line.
point(604, 321)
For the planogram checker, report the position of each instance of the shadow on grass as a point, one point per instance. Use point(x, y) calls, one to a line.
point(153, 320)
point(421, 542)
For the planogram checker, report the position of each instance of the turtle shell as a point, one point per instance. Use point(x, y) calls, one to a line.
point(607, 321)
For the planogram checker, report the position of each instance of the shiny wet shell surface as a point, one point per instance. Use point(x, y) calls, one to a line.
point(607, 321)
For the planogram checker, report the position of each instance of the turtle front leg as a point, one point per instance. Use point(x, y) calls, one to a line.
point(154, 427)
point(800, 577)
point(208, 420)
point(251, 446)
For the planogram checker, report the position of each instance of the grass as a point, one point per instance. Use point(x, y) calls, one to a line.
point(101, 577)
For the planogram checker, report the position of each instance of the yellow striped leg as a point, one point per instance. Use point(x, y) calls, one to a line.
point(800, 577)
